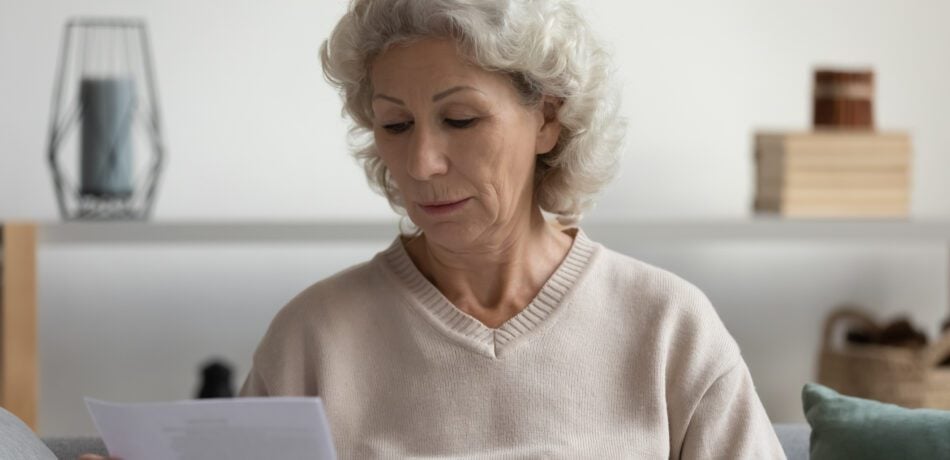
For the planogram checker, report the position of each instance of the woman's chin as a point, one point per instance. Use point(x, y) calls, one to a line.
point(448, 233)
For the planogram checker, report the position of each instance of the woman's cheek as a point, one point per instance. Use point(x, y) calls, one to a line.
point(387, 153)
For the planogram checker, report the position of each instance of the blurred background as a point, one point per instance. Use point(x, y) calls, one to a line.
point(254, 138)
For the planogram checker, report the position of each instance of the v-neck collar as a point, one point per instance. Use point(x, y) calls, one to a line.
point(424, 297)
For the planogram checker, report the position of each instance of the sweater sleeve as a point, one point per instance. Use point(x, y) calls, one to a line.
point(730, 422)
point(254, 385)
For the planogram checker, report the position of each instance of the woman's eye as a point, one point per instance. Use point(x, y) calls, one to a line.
point(397, 128)
point(456, 123)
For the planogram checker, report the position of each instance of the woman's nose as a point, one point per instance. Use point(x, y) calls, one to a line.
point(426, 156)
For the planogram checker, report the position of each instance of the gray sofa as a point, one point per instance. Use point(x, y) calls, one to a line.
point(794, 438)
point(17, 441)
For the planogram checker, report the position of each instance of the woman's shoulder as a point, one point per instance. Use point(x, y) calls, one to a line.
point(293, 340)
point(337, 303)
point(646, 281)
point(344, 290)
point(669, 308)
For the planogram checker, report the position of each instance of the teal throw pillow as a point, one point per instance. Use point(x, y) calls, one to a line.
point(845, 427)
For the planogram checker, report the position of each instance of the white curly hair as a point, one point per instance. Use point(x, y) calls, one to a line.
point(546, 48)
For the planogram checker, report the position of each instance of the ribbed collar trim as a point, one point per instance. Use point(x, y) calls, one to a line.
point(426, 298)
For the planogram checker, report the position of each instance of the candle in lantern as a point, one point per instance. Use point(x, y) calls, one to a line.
point(108, 107)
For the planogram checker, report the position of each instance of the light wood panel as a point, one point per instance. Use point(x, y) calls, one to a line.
point(18, 342)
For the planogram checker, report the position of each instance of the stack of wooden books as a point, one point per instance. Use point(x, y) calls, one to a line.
point(833, 173)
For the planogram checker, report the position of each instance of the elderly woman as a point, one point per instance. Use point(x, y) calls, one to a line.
point(491, 332)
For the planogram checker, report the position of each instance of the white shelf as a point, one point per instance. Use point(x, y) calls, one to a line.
point(214, 232)
point(653, 230)
point(776, 229)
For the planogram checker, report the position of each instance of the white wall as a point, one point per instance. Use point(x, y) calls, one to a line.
point(254, 133)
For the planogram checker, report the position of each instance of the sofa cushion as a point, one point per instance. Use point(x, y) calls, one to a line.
point(849, 427)
point(18, 441)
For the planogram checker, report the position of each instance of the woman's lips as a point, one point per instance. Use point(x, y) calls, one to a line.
point(443, 207)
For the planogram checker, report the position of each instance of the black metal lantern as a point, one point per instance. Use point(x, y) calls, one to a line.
point(105, 119)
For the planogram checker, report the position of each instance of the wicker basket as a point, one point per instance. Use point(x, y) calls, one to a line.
point(904, 376)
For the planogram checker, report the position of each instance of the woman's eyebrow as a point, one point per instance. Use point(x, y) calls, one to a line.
point(436, 97)
point(390, 99)
point(452, 90)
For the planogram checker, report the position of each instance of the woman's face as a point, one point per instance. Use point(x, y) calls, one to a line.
point(458, 141)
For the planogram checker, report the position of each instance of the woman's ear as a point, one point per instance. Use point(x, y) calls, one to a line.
point(551, 127)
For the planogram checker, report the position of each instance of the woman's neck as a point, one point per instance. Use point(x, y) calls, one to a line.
point(494, 280)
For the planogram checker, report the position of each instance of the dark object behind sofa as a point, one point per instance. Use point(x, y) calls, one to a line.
point(216, 380)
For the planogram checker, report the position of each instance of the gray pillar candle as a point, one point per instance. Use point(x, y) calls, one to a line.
point(106, 156)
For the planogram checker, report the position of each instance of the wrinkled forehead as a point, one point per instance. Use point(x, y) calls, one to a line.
point(425, 65)
point(422, 55)
point(428, 66)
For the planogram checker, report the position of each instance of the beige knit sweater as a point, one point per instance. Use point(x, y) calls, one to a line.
point(614, 358)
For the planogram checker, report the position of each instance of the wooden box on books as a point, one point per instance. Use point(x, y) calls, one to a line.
point(833, 173)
